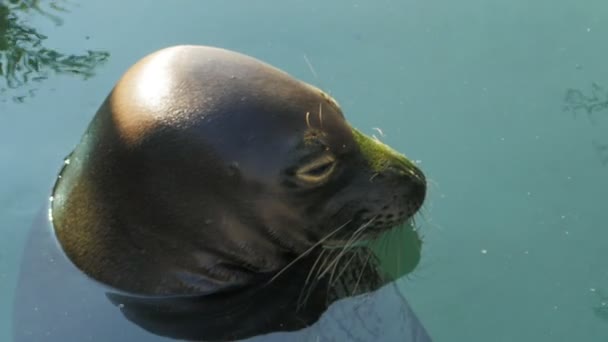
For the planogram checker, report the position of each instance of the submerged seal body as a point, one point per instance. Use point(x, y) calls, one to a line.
point(214, 180)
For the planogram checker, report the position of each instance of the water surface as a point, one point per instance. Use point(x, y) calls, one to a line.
point(515, 237)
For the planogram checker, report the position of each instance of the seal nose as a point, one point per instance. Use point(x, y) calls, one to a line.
point(413, 183)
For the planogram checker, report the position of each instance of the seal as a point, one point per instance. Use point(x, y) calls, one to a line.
point(210, 182)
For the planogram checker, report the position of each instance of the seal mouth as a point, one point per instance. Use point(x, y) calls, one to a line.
point(379, 216)
point(362, 230)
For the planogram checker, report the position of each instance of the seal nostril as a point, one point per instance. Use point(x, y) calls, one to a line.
point(415, 192)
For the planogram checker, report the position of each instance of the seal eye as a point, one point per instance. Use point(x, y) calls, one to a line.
point(318, 170)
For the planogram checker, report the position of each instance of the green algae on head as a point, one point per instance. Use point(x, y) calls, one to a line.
point(397, 250)
point(381, 156)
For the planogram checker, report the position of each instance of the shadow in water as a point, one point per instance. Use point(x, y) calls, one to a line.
point(24, 60)
point(246, 312)
point(359, 299)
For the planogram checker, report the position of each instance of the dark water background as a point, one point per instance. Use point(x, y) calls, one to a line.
point(505, 103)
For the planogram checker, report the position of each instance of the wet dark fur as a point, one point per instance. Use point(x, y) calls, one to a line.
point(183, 195)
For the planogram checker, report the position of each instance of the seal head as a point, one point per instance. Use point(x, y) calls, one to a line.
point(206, 170)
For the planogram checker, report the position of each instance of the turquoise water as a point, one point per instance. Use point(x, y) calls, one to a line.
point(514, 226)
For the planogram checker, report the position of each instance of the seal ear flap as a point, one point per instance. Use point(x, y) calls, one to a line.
point(318, 170)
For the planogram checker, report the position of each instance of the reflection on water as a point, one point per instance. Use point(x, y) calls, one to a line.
point(592, 104)
point(222, 316)
point(601, 310)
point(50, 284)
point(23, 57)
point(597, 101)
point(602, 151)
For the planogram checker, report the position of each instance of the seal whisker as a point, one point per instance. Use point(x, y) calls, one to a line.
point(349, 244)
point(422, 213)
point(308, 277)
point(345, 267)
point(308, 251)
point(337, 260)
point(310, 67)
point(321, 114)
point(317, 278)
point(382, 242)
point(321, 266)
point(308, 119)
point(325, 261)
point(377, 129)
point(323, 250)
point(309, 291)
point(421, 236)
point(433, 182)
point(373, 176)
point(369, 254)
point(398, 250)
